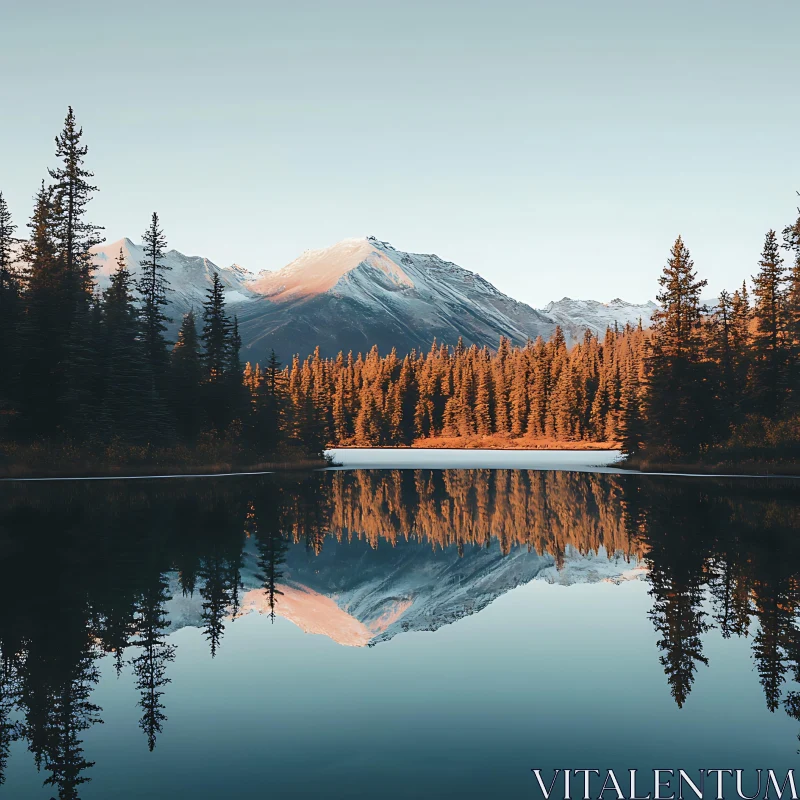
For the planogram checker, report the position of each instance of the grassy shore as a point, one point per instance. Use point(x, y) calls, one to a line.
point(711, 466)
point(65, 460)
point(757, 446)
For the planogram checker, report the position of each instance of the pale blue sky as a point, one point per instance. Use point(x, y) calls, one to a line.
point(555, 147)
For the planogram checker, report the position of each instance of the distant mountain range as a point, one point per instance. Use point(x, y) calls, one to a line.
point(361, 292)
point(189, 276)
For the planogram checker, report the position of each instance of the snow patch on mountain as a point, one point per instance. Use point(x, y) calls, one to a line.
point(318, 271)
point(189, 276)
point(361, 292)
point(575, 316)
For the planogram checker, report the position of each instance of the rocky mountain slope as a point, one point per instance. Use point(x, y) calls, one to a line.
point(189, 276)
point(575, 316)
point(361, 292)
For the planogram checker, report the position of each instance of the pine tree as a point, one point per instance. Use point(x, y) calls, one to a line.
point(270, 412)
point(538, 390)
point(631, 424)
point(519, 391)
point(44, 329)
point(83, 371)
point(216, 354)
point(74, 236)
point(10, 311)
point(741, 337)
point(677, 412)
point(216, 332)
point(61, 314)
point(723, 352)
point(791, 243)
point(153, 287)
point(127, 393)
point(483, 396)
point(9, 279)
point(500, 387)
point(186, 375)
point(237, 393)
point(770, 346)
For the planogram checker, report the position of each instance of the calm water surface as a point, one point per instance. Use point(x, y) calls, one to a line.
point(392, 633)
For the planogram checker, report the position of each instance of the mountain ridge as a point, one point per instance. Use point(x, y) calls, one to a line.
point(361, 292)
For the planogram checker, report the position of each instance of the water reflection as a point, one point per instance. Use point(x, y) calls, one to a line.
point(361, 557)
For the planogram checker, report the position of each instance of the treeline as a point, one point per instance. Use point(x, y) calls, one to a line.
point(722, 382)
point(85, 367)
point(703, 383)
point(543, 391)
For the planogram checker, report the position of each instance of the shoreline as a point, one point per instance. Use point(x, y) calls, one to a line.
point(722, 469)
point(154, 471)
point(86, 471)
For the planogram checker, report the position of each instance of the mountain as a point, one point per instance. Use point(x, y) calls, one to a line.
point(189, 276)
point(358, 595)
point(361, 292)
point(575, 316)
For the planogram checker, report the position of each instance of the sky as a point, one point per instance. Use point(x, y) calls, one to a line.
point(557, 148)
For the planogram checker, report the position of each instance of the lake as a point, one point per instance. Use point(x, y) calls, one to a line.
point(394, 630)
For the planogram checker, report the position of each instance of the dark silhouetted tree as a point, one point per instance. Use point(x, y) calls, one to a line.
point(677, 412)
point(186, 379)
point(769, 343)
point(153, 287)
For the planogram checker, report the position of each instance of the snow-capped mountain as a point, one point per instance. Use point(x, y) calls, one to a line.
point(575, 316)
point(189, 276)
point(361, 292)
point(357, 595)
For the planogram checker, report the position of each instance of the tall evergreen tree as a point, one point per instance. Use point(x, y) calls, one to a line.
point(631, 424)
point(74, 237)
point(72, 192)
point(10, 310)
point(153, 286)
point(236, 391)
point(791, 243)
point(741, 335)
point(9, 279)
point(722, 349)
point(127, 398)
point(83, 371)
point(677, 404)
point(269, 406)
point(770, 336)
point(44, 329)
point(216, 353)
point(186, 377)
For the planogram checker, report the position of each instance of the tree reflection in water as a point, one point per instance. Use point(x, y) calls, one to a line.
point(720, 554)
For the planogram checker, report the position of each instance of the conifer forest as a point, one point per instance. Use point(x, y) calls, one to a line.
point(90, 371)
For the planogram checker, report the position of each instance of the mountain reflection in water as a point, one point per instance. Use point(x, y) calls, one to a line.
point(361, 557)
